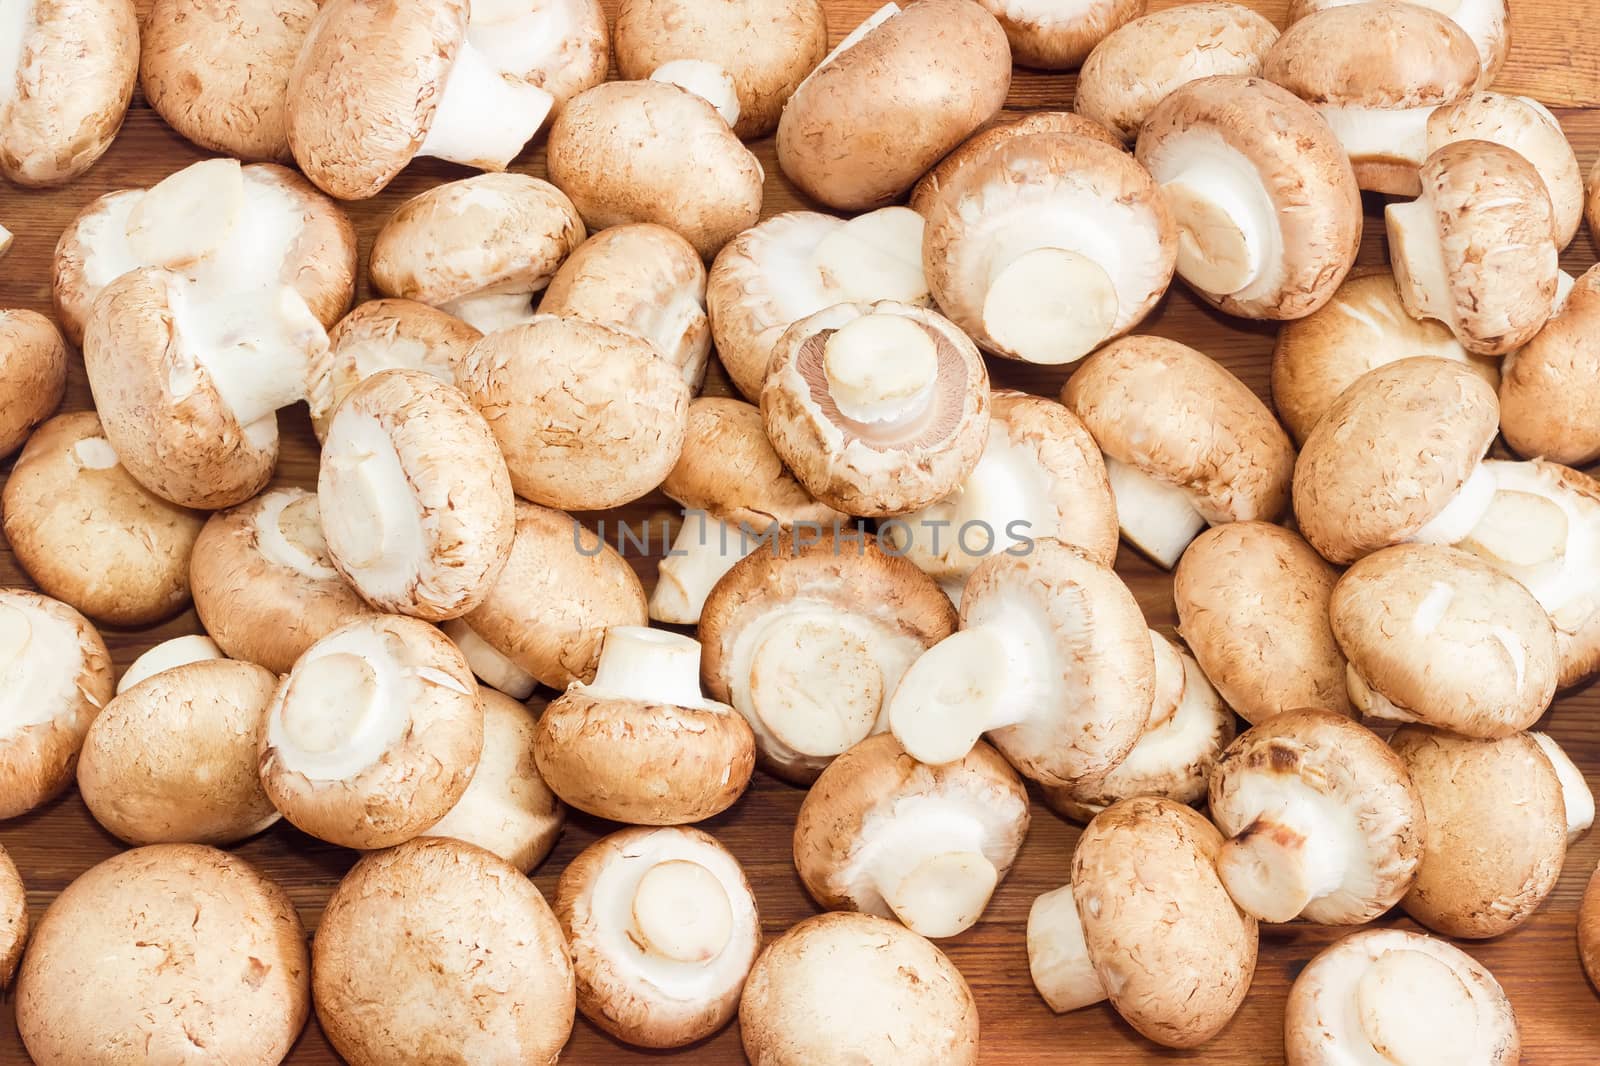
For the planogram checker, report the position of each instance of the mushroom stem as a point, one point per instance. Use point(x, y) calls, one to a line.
point(1575, 794)
point(934, 875)
point(169, 655)
point(881, 368)
point(1049, 305)
point(485, 661)
point(1414, 1010)
point(484, 118)
point(5, 240)
point(490, 312)
point(1283, 860)
point(1416, 252)
point(255, 347)
point(704, 549)
point(1058, 957)
point(1156, 517)
point(1225, 223)
point(681, 913)
point(193, 214)
point(376, 521)
point(1372, 703)
point(803, 652)
point(875, 256)
point(639, 663)
point(1464, 512)
point(95, 453)
point(1388, 134)
point(706, 80)
point(954, 693)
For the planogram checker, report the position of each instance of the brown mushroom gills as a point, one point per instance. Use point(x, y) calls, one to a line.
point(681, 913)
point(794, 651)
point(1050, 305)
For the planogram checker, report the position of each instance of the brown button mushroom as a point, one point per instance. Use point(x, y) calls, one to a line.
point(169, 655)
point(1486, 22)
point(171, 953)
point(856, 988)
point(1046, 35)
point(472, 964)
point(1549, 398)
point(663, 929)
point(13, 919)
point(884, 834)
point(373, 736)
point(1589, 929)
point(33, 374)
point(1147, 924)
point(972, 150)
point(1591, 209)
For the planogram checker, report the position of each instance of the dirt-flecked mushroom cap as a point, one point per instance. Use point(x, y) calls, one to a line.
point(473, 965)
point(66, 75)
point(663, 929)
point(846, 987)
point(1589, 929)
point(1549, 396)
point(170, 953)
point(884, 834)
point(1486, 22)
point(374, 735)
point(1497, 830)
point(972, 150)
point(169, 655)
point(13, 919)
point(1394, 996)
point(33, 374)
point(1051, 36)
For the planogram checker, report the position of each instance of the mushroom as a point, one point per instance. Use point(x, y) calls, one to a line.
point(1186, 443)
point(474, 964)
point(1376, 71)
point(480, 248)
point(896, 95)
point(13, 919)
point(1589, 929)
point(33, 374)
point(1476, 250)
point(1439, 636)
point(219, 73)
point(1591, 209)
point(90, 535)
point(856, 988)
point(562, 46)
point(55, 676)
point(169, 655)
point(173, 758)
point(1252, 601)
point(1141, 62)
point(1497, 830)
point(1044, 35)
point(373, 736)
point(1110, 933)
point(1486, 22)
point(794, 264)
point(952, 168)
point(1394, 996)
point(1048, 246)
point(884, 834)
point(163, 953)
point(808, 637)
point(1322, 821)
point(640, 743)
point(265, 587)
point(649, 151)
point(1549, 400)
point(1266, 204)
point(1576, 798)
point(663, 929)
point(587, 416)
point(64, 87)
point(1053, 661)
point(879, 409)
point(756, 52)
point(416, 503)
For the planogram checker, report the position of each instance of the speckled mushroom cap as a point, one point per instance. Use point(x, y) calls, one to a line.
point(1398, 996)
point(374, 735)
point(1139, 64)
point(56, 677)
point(1391, 455)
point(663, 928)
point(846, 987)
point(972, 150)
point(1252, 601)
point(473, 965)
point(1497, 830)
point(1589, 929)
point(33, 374)
point(13, 919)
point(173, 759)
point(1439, 636)
point(1591, 208)
point(1549, 405)
point(1486, 22)
point(1045, 35)
point(72, 78)
point(884, 834)
point(160, 951)
point(561, 46)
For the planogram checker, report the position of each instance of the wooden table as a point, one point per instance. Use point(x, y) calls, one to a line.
point(1537, 964)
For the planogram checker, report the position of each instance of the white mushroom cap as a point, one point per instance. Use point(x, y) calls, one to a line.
point(1053, 36)
point(1486, 22)
point(169, 655)
point(1576, 796)
point(13, 919)
point(1549, 402)
point(33, 374)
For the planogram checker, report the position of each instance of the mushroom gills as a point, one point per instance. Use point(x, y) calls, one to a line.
point(39, 664)
point(169, 655)
point(1155, 516)
point(704, 549)
point(484, 118)
point(650, 666)
point(1049, 305)
point(1228, 235)
point(881, 370)
point(1413, 1010)
point(490, 312)
point(875, 256)
point(488, 664)
point(1058, 957)
point(1384, 135)
point(960, 689)
point(1575, 794)
point(816, 686)
point(704, 79)
point(370, 510)
point(925, 861)
point(344, 705)
point(1463, 513)
point(1294, 852)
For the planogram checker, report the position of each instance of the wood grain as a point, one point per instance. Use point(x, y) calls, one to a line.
point(1538, 964)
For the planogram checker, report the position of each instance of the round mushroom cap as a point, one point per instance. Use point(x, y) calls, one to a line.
point(663, 928)
point(1549, 399)
point(161, 953)
point(950, 170)
point(1048, 36)
point(474, 965)
point(1392, 995)
point(561, 46)
point(33, 374)
point(1497, 830)
point(846, 987)
point(13, 919)
point(1486, 22)
point(373, 735)
point(1589, 929)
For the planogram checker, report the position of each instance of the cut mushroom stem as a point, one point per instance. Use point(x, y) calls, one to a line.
point(490, 312)
point(168, 655)
point(1400, 987)
point(339, 715)
point(649, 665)
point(881, 368)
point(1575, 794)
point(704, 549)
point(1049, 305)
point(787, 656)
point(1283, 860)
point(484, 118)
point(1464, 513)
point(491, 667)
point(706, 80)
point(875, 256)
point(1156, 517)
point(681, 913)
point(954, 693)
point(256, 346)
point(1058, 956)
point(1224, 224)
point(934, 875)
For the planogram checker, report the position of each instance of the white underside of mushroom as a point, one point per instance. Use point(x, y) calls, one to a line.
point(1416, 254)
point(517, 37)
point(1381, 134)
point(40, 660)
point(488, 664)
point(288, 530)
point(356, 361)
point(169, 655)
point(874, 256)
point(706, 80)
point(1372, 703)
point(1058, 957)
point(704, 549)
point(255, 346)
point(1155, 516)
point(490, 312)
point(1576, 796)
point(370, 515)
point(651, 665)
point(1295, 847)
point(1464, 511)
point(484, 119)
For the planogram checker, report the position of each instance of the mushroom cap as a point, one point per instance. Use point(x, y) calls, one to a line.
point(949, 170)
point(219, 73)
point(1328, 1013)
point(1486, 22)
point(1549, 405)
point(847, 987)
point(766, 46)
point(1252, 601)
point(639, 996)
point(33, 374)
point(1045, 35)
point(874, 117)
point(1390, 455)
point(173, 759)
point(170, 654)
point(1379, 54)
point(1138, 865)
point(1497, 830)
point(1589, 929)
point(1140, 63)
point(13, 919)
point(160, 951)
point(76, 64)
point(1437, 635)
point(561, 46)
point(57, 677)
point(474, 964)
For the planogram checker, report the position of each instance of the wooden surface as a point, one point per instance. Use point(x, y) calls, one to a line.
point(1537, 964)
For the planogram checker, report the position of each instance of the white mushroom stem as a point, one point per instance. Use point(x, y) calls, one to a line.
point(706, 80)
point(1294, 852)
point(1226, 224)
point(1372, 703)
point(875, 256)
point(1058, 957)
point(190, 215)
point(1157, 517)
point(95, 453)
point(957, 691)
point(255, 346)
point(1416, 252)
point(288, 532)
point(705, 549)
point(1464, 511)
point(681, 913)
point(652, 665)
point(1381, 133)
point(1049, 305)
point(927, 863)
point(490, 312)
point(486, 662)
point(1546, 537)
point(1412, 1010)
point(343, 706)
point(169, 655)
point(39, 664)
point(853, 38)
point(881, 368)
point(484, 119)
point(369, 512)
point(815, 683)
point(1575, 793)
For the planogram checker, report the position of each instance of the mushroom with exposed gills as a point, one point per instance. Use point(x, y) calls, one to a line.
point(1109, 934)
point(169, 655)
point(1549, 396)
point(663, 928)
point(373, 736)
point(33, 375)
point(1051, 36)
point(1486, 22)
point(641, 743)
point(1053, 661)
point(13, 919)
point(971, 151)
point(1589, 929)
point(881, 833)
point(1398, 998)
